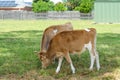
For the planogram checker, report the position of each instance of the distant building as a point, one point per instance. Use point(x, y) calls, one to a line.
point(16, 5)
point(107, 11)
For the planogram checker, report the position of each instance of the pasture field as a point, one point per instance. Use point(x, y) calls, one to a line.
point(19, 39)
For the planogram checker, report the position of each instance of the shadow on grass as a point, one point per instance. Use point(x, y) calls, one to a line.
point(108, 48)
point(17, 51)
point(17, 55)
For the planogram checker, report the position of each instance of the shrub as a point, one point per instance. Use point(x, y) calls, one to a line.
point(42, 6)
point(77, 8)
point(60, 7)
point(51, 6)
point(85, 6)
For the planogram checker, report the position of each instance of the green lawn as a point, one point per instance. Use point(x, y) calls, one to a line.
point(19, 40)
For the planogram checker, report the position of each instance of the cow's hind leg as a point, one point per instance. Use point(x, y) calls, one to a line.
point(97, 60)
point(92, 55)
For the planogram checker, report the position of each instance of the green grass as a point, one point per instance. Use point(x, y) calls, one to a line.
point(19, 40)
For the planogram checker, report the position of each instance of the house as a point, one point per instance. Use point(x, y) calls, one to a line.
point(16, 5)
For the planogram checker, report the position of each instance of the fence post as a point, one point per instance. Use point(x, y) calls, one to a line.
point(3, 15)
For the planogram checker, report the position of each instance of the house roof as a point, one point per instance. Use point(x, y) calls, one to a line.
point(7, 4)
point(12, 3)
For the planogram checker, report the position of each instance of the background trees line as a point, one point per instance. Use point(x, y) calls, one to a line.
point(84, 6)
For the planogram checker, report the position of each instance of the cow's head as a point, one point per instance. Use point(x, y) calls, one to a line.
point(44, 60)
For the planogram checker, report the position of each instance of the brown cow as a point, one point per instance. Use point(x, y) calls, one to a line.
point(51, 31)
point(71, 42)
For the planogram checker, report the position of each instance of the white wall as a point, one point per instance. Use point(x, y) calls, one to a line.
point(7, 0)
point(28, 0)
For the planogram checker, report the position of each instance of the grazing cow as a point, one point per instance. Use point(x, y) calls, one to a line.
point(51, 31)
point(71, 42)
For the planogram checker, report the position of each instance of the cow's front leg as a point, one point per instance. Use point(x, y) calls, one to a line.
point(59, 64)
point(67, 56)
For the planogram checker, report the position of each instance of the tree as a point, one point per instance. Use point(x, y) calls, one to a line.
point(34, 1)
point(71, 4)
point(85, 6)
point(46, 0)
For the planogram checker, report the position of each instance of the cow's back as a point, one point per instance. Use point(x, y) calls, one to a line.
point(71, 40)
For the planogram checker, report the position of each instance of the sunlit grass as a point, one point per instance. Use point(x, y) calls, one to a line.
point(20, 39)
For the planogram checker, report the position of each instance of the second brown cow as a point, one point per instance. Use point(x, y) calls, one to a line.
point(51, 31)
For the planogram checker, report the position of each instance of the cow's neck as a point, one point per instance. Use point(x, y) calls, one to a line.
point(50, 54)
